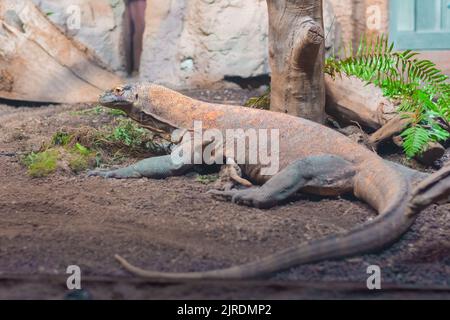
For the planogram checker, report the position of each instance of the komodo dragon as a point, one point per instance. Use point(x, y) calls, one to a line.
point(312, 159)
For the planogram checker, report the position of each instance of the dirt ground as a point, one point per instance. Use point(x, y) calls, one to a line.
point(49, 223)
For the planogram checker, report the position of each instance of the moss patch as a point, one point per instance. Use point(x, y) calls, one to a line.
point(41, 164)
point(80, 149)
point(261, 102)
point(81, 158)
point(98, 110)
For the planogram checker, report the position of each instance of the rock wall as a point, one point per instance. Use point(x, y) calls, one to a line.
point(354, 18)
point(100, 25)
point(198, 42)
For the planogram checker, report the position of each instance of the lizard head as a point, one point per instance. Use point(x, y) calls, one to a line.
point(134, 101)
point(124, 98)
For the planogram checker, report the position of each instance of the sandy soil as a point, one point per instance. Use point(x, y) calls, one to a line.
point(49, 223)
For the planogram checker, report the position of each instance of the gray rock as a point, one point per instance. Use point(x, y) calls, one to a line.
point(198, 42)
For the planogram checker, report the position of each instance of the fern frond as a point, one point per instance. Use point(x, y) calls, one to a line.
point(261, 102)
point(415, 138)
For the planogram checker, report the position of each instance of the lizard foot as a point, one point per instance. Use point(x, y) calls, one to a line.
point(101, 173)
point(249, 197)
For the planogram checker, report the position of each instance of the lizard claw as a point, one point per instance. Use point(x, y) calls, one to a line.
point(226, 194)
point(233, 195)
point(247, 197)
point(99, 173)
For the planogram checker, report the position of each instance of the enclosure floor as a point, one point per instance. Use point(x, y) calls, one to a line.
point(173, 225)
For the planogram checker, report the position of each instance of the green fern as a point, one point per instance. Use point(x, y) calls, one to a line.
point(261, 102)
point(414, 138)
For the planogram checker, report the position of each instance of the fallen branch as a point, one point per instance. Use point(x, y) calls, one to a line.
point(390, 129)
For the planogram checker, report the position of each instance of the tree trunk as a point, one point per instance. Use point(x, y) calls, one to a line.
point(296, 53)
point(39, 63)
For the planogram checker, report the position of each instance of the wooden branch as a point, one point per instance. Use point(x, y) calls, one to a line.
point(392, 128)
point(39, 63)
point(310, 37)
point(434, 189)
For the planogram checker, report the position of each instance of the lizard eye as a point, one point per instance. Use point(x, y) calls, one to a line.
point(118, 91)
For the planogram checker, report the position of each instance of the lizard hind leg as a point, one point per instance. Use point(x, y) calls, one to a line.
point(325, 175)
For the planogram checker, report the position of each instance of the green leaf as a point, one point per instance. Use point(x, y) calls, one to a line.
point(82, 149)
point(415, 138)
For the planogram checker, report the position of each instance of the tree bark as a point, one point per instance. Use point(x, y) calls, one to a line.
point(39, 63)
point(296, 53)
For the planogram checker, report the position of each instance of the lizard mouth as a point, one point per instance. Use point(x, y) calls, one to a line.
point(112, 99)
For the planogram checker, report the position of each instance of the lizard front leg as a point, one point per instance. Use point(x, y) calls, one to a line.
point(325, 175)
point(154, 168)
point(161, 167)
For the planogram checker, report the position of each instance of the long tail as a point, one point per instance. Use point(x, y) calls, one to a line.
point(389, 193)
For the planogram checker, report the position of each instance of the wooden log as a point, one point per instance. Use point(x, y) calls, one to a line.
point(39, 63)
point(350, 100)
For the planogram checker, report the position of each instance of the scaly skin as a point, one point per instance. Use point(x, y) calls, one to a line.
point(313, 159)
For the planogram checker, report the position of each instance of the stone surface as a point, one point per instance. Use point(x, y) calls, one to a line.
point(358, 17)
point(198, 42)
point(97, 24)
point(333, 32)
point(41, 64)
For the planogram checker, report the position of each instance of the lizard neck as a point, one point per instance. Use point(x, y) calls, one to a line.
point(182, 111)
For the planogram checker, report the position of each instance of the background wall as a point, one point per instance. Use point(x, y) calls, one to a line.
point(198, 42)
point(358, 17)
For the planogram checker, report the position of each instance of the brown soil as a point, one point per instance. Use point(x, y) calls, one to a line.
point(49, 223)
